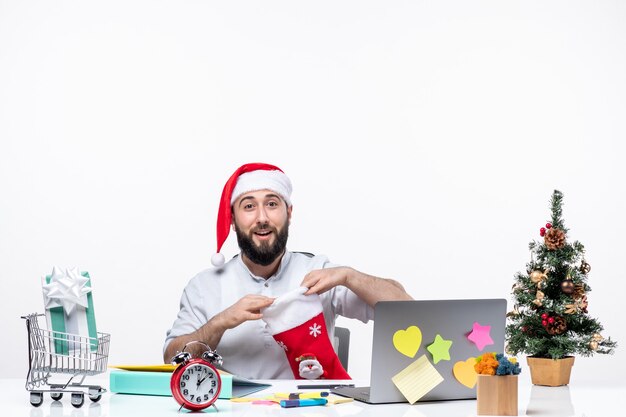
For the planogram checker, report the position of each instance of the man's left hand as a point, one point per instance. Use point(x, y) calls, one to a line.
point(319, 281)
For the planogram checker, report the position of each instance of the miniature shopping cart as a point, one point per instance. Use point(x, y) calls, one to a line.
point(58, 355)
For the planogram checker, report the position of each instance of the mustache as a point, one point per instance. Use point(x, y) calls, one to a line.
point(264, 228)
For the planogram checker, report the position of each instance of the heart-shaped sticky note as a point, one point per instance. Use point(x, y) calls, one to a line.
point(408, 341)
point(464, 372)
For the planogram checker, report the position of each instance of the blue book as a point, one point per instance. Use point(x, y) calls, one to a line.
point(158, 383)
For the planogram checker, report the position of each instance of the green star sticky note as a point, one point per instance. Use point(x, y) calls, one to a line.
point(440, 349)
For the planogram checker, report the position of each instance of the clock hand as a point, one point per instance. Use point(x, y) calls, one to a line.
point(202, 380)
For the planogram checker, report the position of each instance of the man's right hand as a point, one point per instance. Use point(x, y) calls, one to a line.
point(247, 308)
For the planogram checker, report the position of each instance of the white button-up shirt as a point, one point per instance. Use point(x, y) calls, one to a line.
point(249, 350)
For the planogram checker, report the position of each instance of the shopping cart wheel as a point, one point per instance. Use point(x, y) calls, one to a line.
point(36, 398)
point(78, 398)
point(95, 393)
point(56, 396)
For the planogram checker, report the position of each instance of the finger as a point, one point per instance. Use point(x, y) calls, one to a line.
point(318, 288)
point(254, 316)
point(309, 281)
point(257, 300)
point(310, 291)
point(263, 302)
point(256, 307)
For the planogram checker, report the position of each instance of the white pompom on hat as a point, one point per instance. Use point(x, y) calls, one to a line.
point(248, 177)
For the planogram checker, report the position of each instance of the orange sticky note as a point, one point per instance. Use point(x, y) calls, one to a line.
point(464, 372)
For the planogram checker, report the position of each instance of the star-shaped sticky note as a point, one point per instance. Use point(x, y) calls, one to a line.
point(480, 336)
point(440, 349)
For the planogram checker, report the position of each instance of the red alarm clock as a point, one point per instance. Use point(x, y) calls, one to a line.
point(196, 383)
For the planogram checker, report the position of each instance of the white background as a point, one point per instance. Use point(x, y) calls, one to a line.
point(423, 139)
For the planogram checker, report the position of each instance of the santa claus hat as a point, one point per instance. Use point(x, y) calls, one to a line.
point(249, 177)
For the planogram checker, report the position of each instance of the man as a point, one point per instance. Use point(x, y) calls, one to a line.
point(222, 307)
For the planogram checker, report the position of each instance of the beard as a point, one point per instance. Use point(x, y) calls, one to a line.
point(265, 253)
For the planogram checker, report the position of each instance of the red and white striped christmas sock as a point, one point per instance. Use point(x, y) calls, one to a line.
point(297, 324)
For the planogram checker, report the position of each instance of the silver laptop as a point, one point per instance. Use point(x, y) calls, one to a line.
point(453, 320)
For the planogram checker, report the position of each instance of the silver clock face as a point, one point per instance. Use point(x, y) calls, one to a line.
point(199, 384)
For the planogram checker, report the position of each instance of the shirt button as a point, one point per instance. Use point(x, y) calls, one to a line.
point(267, 284)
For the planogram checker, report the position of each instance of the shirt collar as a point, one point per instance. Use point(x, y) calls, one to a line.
point(279, 272)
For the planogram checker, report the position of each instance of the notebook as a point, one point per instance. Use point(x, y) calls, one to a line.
point(429, 347)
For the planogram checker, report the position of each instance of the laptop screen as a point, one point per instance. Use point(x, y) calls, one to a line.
point(430, 346)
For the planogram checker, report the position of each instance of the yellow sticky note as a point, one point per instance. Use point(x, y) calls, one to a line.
point(337, 399)
point(162, 367)
point(417, 379)
point(408, 341)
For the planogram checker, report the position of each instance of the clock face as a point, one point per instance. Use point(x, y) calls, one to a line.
point(196, 385)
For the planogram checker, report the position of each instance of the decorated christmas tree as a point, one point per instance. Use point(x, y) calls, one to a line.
point(550, 318)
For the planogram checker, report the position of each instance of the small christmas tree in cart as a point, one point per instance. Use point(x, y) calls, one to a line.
point(550, 321)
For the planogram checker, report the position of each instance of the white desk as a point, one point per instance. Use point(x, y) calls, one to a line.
point(575, 400)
